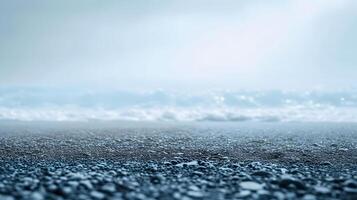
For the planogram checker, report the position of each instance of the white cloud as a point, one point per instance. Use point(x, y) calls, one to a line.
point(81, 105)
point(303, 113)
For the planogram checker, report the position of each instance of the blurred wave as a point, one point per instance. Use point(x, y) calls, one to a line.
point(39, 104)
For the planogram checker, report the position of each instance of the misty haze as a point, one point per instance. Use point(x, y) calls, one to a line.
point(178, 99)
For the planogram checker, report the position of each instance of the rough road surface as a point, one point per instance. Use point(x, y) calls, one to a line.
point(178, 161)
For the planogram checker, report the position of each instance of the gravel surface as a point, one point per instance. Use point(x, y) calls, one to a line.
point(178, 161)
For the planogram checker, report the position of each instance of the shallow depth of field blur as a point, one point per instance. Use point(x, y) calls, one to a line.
point(178, 60)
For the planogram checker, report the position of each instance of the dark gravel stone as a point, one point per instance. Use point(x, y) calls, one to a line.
point(288, 182)
point(262, 174)
point(179, 163)
point(350, 183)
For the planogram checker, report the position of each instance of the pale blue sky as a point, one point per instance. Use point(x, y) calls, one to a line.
point(296, 44)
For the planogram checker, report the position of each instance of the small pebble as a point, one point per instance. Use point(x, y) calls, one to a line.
point(97, 195)
point(250, 185)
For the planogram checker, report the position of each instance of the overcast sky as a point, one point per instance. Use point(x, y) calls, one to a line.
point(149, 44)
